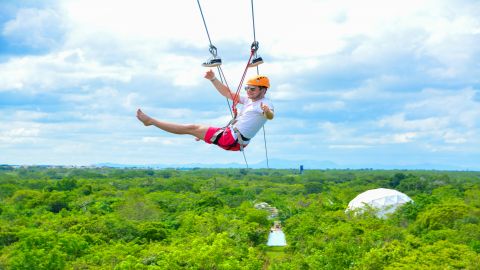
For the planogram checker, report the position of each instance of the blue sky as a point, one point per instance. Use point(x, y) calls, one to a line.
point(358, 83)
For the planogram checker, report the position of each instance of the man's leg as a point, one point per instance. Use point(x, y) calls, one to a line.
point(193, 129)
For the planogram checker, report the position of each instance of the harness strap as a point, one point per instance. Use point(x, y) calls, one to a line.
point(233, 121)
point(216, 136)
point(236, 97)
point(239, 138)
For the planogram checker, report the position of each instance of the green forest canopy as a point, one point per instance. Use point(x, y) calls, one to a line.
point(103, 218)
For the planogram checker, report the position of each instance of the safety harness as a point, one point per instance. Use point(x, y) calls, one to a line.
point(241, 140)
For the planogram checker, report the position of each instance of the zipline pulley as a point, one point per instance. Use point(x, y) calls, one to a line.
point(254, 46)
point(213, 50)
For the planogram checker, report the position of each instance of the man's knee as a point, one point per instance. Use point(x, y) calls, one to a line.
point(197, 130)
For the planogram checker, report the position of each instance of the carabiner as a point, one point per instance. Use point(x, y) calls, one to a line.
point(213, 50)
point(254, 46)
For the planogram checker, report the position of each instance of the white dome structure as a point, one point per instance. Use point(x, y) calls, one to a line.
point(383, 200)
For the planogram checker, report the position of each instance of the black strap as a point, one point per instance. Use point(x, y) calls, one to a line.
point(245, 139)
point(217, 135)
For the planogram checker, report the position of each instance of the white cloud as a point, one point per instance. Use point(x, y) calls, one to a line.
point(454, 137)
point(348, 146)
point(457, 106)
point(57, 70)
point(144, 20)
point(19, 135)
point(363, 65)
point(180, 70)
point(26, 115)
point(399, 122)
point(404, 137)
point(38, 28)
point(441, 116)
point(22, 132)
point(324, 106)
point(293, 93)
point(101, 100)
point(158, 140)
point(338, 133)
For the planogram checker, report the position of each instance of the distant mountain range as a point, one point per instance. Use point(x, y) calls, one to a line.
point(272, 163)
point(277, 164)
point(294, 164)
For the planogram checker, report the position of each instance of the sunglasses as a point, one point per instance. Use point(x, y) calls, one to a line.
point(250, 88)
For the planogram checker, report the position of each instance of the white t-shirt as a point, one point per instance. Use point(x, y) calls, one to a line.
point(251, 118)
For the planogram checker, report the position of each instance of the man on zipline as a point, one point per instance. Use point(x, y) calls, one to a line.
point(255, 112)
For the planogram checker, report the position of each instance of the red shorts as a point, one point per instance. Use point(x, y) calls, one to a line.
point(224, 140)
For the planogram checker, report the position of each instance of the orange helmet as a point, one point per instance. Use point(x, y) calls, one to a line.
point(259, 80)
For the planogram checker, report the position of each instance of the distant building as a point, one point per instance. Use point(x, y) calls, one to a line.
point(382, 200)
point(265, 206)
point(276, 238)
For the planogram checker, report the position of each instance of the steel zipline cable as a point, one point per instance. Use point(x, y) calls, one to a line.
point(213, 51)
point(258, 73)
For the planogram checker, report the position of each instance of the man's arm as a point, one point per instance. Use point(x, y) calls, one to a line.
point(267, 112)
point(221, 88)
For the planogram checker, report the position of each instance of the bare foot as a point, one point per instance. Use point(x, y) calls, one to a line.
point(145, 119)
